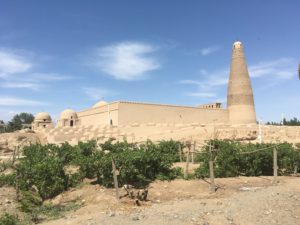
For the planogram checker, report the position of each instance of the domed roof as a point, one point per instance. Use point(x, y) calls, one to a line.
point(237, 44)
point(42, 116)
point(99, 104)
point(68, 114)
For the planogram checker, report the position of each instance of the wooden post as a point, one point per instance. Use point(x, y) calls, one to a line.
point(275, 168)
point(180, 152)
point(14, 155)
point(17, 185)
point(295, 169)
point(211, 171)
point(115, 178)
point(187, 163)
point(194, 149)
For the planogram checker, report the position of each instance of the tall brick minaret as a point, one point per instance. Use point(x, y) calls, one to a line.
point(240, 101)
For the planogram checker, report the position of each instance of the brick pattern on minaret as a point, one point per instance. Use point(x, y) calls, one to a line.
point(240, 101)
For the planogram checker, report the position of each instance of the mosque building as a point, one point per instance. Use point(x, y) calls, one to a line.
point(240, 107)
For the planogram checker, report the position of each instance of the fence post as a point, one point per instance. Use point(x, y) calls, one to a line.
point(115, 178)
point(275, 168)
point(187, 163)
point(180, 153)
point(194, 148)
point(211, 171)
point(295, 169)
point(17, 185)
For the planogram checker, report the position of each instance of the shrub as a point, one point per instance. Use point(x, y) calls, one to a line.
point(30, 200)
point(43, 167)
point(230, 160)
point(138, 165)
point(7, 219)
point(7, 180)
point(171, 148)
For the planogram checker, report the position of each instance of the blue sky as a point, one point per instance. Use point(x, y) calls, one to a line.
point(70, 54)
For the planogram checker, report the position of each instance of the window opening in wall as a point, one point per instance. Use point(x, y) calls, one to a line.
point(111, 122)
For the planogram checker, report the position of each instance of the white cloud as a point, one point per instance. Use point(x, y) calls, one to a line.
point(210, 50)
point(26, 85)
point(283, 68)
point(202, 94)
point(19, 62)
point(13, 63)
point(34, 81)
point(14, 101)
point(48, 77)
point(97, 93)
point(126, 60)
point(277, 70)
point(211, 80)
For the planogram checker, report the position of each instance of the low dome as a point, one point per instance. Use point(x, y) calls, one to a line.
point(68, 114)
point(99, 104)
point(42, 117)
point(237, 44)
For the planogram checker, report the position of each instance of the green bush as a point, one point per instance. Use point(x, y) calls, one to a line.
point(137, 165)
point(7, 180)
point(30, 200)
point(229, 160)
point(171, 148)
point(7, 219)
point(44, 167)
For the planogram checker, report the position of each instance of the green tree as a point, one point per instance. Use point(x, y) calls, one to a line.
point(2, 126)
point(18, 121)
point(292, 122)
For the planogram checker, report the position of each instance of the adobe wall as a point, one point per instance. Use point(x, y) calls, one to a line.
point(99, 115)
point(131, 112)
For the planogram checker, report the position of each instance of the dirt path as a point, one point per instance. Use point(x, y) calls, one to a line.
point(242, 201)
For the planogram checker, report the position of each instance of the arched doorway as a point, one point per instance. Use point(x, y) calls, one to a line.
point(71, 123)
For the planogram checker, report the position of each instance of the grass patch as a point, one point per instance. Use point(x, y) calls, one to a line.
point(7, 219)
point(50, 212)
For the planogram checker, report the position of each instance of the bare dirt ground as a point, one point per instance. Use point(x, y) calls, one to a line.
point(242, 200)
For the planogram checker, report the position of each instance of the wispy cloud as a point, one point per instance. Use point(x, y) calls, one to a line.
point(202, 94)
point(13, 62)
point(210, 50)
point(126, 60)
point(283, 68)
point(15, 101)
point(49, 77)
point(17, 84)
point(210, 82)
point(34, 81)
point(18, 70)
point(97, 93)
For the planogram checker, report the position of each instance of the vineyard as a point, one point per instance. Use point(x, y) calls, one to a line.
point(45, 171)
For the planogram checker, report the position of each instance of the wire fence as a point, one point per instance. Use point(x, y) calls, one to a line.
point(191, 151)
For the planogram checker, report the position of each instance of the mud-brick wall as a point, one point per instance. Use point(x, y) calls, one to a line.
point(100, 115)
point(130, 113)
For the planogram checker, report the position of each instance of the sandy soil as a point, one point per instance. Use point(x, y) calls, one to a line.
point(242, 200)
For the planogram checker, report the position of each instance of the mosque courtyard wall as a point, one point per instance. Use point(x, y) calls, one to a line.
point(143, 113)
point(103, 115)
